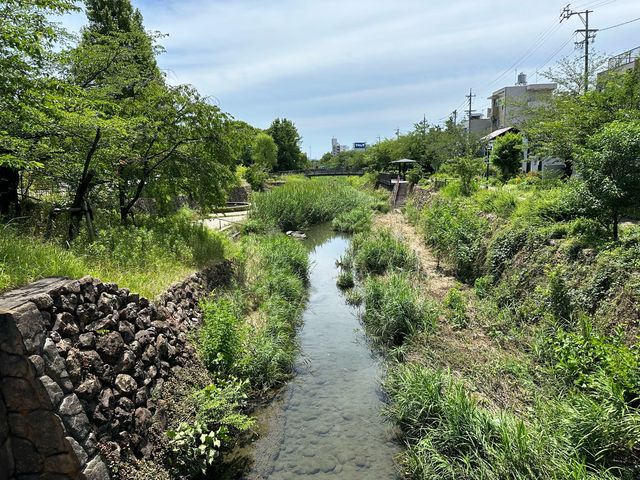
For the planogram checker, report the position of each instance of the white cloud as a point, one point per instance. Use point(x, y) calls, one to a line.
point(359, 68)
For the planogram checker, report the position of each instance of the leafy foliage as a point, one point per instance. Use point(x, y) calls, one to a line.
point(381, 251)
point(506, 154)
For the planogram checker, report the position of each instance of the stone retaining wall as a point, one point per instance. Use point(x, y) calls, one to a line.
point(79, 363)
point(421, 196)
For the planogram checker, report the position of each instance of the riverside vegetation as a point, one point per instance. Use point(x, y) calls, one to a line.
point(529, 366)
point(247, 341)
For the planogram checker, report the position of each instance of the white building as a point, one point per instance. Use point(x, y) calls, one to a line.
point(336, 148)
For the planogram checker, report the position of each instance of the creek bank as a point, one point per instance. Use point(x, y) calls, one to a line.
point(326, 422)
point(85, 359)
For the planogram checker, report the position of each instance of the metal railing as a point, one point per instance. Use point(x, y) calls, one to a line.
point(624, 58)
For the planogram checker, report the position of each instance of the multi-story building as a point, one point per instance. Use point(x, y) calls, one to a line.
point(336, 148)
point(510, 105)
point(479, 124)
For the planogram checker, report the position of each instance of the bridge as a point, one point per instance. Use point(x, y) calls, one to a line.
point(324, 172)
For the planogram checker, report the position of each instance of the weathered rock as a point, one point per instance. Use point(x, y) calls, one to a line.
point(42, 301)
point(96, 470)
point(79, 452)
point(55, 366)
point(107, 303)
point(87, 340)
point(65, 324)
point(142, 419)
point(89, 388)
point(126, 384)
point(70, 406)
point(53, 390)
point(110, 346)
point(126, 363)
point(127, 330)
point(27, 459)
point(38, 364)
point(30, 324)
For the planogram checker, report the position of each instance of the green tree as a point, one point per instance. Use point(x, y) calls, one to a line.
point(264, 151)
point(27, 37)
point(506, 154)
point(287, 138)
point(610, 169)
point(466, 169)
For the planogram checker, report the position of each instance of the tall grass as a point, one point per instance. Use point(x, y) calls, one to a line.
point(299, 204)
point(380, 251)
point(450, 436)
point(395, 309)
point(271, 292)
point(145, 259)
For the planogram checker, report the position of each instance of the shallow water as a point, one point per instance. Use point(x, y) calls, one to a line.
point(326, 423)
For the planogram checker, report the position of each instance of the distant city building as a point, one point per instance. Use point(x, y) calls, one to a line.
point(510, 105)
point(336, 148)
point(479, 124)
point(621, 63)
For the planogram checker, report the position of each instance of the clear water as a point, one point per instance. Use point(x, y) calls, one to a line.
point(326, 423)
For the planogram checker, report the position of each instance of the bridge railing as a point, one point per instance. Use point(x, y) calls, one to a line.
point(323, 172)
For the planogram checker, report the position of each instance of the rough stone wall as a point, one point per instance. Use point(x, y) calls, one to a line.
point(421, 196)
point(79, 363)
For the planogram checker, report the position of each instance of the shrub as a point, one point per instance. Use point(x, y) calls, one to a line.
point(380, 251)
point(195, 448)
point(395, 309)
point(298, 204)
point(456, 308)
point(357, 220)
point(345, 280)
point(455, 230)
point(220, 338)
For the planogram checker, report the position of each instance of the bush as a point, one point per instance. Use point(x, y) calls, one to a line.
point(395, 309)
point(380, 251)
point(345, 280)
point(456, 308)
point(299, 204)
point(456, 232)
point(220, 338)
point(357, 220)
point(195, 448)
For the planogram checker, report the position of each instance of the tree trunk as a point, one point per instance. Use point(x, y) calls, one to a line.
point(9, 183)
point(79, 205)
point(616, 220)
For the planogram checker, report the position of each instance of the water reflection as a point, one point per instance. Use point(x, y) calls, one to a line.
point(326, 423)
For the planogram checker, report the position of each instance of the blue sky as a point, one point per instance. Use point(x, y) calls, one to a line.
point(359, 69)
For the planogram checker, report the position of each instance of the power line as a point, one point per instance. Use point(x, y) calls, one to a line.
point(557, 51)
point(620, 24)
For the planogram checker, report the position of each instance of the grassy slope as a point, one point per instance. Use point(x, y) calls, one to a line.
point(534, 390)
point(146, 260)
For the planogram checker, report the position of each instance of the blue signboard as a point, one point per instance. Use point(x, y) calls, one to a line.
point(362, 145)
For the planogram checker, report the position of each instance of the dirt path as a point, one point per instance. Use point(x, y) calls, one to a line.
point(438, 283)
point(469, 353)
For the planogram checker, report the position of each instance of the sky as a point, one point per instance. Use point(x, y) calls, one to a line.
point(358, 70)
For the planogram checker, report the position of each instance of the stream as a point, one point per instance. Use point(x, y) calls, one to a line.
point(327, 423)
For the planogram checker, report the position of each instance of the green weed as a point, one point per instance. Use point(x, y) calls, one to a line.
point(380, 251)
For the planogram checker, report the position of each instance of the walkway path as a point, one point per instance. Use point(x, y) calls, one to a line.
point(438, 284)
point(222, 221)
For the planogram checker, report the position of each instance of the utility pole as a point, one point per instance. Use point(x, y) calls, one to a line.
point(470, 97)
point(397, 132)
point(455, 117)
point(588, 33)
